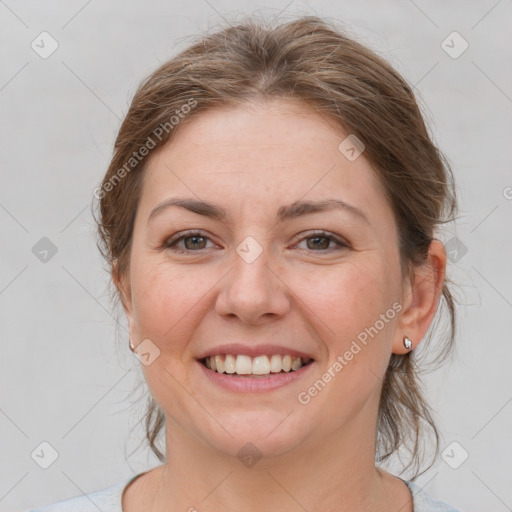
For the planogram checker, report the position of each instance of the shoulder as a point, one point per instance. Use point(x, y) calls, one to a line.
point(424, 503)
point(106, 500)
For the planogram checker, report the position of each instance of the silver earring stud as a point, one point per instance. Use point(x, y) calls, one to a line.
point(407, 343)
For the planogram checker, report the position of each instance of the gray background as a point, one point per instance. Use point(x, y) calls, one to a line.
point(64, 378)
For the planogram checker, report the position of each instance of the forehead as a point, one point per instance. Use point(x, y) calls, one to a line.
point(259, 155)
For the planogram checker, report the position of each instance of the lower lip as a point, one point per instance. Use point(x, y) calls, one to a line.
point(254, 384)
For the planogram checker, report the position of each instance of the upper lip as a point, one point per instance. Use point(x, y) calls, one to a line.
point(252, 350)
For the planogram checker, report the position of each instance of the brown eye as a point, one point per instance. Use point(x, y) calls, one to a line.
point(194, 242)
point(187, 242)
point(320, 241)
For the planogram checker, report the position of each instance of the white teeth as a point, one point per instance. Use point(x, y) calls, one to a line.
point(296, 363)
point(260, 365)
point(275, 363)
point(243, 365)
point(229, 364)
point(219, 363)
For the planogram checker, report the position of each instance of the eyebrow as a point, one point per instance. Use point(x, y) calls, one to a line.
point(290, 211)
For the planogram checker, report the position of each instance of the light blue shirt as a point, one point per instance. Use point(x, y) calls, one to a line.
point(109, 500)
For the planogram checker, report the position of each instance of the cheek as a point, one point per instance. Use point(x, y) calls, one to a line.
point(347, 303)
point(352, 289)
point(165, 299)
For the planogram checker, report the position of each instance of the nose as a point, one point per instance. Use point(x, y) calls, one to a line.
point(253, 291)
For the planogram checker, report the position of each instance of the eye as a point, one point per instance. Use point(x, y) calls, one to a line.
point(196, 241)
point(319, 241)
point(189, 241)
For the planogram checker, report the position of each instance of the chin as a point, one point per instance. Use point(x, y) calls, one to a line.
point(256, 433)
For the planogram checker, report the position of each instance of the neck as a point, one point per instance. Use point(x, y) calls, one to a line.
point(336, 473)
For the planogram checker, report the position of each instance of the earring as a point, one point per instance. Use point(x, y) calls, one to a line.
point(407, 343)
point(132, 347)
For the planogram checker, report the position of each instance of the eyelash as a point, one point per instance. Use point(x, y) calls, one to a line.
point(171, 242)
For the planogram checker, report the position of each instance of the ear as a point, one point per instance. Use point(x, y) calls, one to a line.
point(122, 283)
point(421, 298)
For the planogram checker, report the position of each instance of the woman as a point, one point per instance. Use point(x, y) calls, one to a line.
point(269, 218)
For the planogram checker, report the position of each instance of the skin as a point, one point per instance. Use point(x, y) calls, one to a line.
point(316, 297)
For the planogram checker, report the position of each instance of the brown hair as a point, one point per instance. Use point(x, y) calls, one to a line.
point(312, 60)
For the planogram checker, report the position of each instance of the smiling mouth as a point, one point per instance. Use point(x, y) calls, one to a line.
point(260, 366)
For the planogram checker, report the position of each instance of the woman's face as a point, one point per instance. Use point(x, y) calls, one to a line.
point(267, 274)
